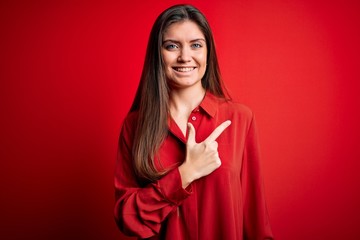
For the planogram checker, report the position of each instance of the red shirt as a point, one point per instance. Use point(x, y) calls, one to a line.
point(227, 204)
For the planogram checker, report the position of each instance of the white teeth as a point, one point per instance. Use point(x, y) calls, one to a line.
point(184, 69)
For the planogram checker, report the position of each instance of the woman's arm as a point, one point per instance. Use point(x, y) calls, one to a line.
point(256, 222)
point(139, 211)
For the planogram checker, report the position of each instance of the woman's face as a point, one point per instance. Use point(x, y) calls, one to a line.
point(184, 52)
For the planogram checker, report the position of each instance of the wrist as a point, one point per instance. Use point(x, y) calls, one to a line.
point(186, 178)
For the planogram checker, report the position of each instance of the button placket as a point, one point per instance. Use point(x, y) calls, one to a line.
point(195, 118)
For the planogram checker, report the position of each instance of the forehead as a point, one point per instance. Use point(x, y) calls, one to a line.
point(183, 30)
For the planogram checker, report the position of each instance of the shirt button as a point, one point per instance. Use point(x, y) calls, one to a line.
point(193, 118)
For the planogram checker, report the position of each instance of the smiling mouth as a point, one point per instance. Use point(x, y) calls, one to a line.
point(183, 69)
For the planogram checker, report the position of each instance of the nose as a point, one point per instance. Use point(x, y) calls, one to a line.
point(185, 55)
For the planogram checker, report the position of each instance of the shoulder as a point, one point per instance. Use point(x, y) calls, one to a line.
point(130, 122)
point(225, 107)
point(235, 109)
point(131, 117)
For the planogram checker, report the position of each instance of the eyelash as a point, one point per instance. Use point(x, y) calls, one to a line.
point(170, 47)
point(198, 45)
point(174, 46)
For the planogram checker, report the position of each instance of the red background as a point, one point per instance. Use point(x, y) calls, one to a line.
point(69, 71)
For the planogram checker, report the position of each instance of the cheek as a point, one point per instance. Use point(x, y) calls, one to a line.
point(167, 66)
point(203, 57)
point(168, 60)
point(165, 57)
point(204, 62)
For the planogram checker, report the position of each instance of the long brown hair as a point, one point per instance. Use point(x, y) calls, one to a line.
point(152, 96)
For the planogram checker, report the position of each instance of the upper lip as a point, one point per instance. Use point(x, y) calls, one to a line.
point(184, 67)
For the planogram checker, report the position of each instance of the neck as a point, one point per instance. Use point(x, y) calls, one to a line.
point(183, 101)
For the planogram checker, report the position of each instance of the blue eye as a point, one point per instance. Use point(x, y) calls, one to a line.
point(196, 45)
point(170, 46)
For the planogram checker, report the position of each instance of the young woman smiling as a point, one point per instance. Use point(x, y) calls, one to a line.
point(188, 164)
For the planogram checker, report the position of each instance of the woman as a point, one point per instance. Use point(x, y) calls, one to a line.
point(188, 162)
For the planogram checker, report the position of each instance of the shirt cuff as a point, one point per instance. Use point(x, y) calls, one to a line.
point(171, 187)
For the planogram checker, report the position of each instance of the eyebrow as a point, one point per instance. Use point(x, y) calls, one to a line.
point(194, 40)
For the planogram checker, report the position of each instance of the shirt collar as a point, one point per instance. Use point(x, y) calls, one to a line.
point(209, 104)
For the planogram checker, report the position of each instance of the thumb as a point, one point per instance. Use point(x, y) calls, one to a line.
point(191, 134)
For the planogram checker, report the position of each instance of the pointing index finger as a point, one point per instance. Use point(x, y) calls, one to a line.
point(218, 131)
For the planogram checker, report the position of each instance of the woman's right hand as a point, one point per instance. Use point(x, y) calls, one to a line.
point(201, 158)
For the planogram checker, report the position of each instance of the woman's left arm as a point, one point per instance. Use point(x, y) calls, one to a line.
point(256, 221)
